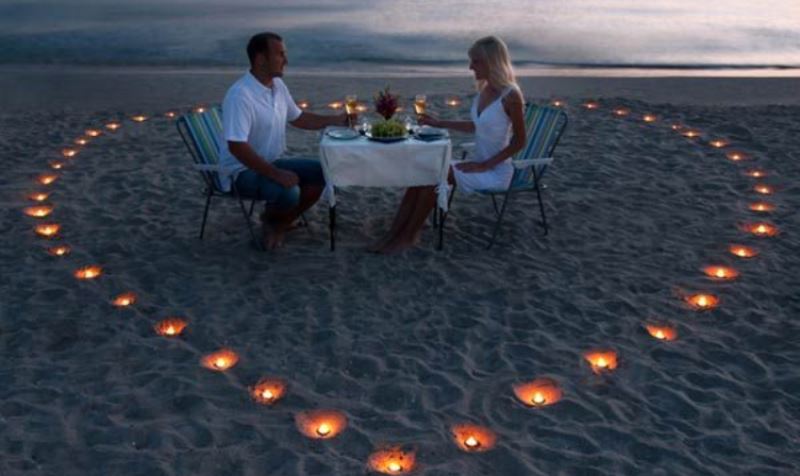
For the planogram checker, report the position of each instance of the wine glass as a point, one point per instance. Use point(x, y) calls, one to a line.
point(350, 104)
point(419, 104)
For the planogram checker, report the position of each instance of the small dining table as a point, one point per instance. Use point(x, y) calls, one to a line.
point(357, 160)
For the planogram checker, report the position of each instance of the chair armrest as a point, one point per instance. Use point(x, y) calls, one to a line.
point(525, 163)
point(208, 168)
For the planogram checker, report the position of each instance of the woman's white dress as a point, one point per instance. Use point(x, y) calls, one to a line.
point(492, 134)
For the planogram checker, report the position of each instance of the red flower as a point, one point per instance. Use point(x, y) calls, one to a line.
point(386, 103)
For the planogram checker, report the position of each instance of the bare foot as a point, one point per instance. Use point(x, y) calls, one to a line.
point(272, 235)
point(395, 247)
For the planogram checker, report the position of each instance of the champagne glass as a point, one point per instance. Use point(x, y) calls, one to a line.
point(419, 105)
point(350, 104)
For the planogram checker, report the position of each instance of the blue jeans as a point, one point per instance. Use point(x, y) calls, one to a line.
point(255, 186)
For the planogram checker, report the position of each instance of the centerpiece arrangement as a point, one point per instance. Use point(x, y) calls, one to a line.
point(388, 129)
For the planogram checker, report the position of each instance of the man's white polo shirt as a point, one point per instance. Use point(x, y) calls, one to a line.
point(256, 114)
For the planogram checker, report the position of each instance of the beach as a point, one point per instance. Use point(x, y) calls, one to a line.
point(405, 346)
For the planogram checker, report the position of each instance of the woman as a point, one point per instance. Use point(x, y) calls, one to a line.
point(498, 122)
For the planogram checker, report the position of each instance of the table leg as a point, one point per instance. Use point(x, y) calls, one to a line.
point(442, 217)
point(332, 225)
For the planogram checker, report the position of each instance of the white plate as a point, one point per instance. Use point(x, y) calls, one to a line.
point(341, 133)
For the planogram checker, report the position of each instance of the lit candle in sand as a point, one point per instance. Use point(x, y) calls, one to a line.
point(621, 111)
point(268, 390)
point(113, 126)
point(361, 107)
point(539, 392)
point(591, 105)
point(321, 424)
point(763, 189)
point(762, 229)
point(48, 230)
point(702, 301)
point(170, 114)
point(454, 101)
point(303, 104)
point(723, 273)
point(649, 118)
point(40, 211)
point(139, 118)
point(69, 153)
point(56, 165)
point(473, 438)
point(88, 272)
point(174, 326)
point(392, 460)
point(93, 132)
point(718, 143)
point(756, 173)
point(601, 360)
point(662, 332)
point(81, 141)
point(676, 127)
point(200, 109)
point(691, 133)
point(38, 197)
point(335, 105)
point(743, 251)
point(557, 103)
point(762, 207)
point(736, 156)
point(220, 360)
point(61, 250)
point(124, 300)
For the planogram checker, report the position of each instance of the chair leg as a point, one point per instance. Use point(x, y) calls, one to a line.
point(253, 235)
point(541, 207)
point(494, 204)
point(499, 219)
point(252, 206)
point(205, 214)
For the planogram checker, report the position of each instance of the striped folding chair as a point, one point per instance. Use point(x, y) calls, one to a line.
point(544, 127)
point(202, 134)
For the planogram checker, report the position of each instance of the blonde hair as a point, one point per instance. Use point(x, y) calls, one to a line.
point(495, 52)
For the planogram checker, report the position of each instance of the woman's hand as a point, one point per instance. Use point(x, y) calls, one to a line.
point(428, 120)
point(472, 167)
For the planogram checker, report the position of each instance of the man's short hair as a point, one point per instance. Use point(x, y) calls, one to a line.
point(259, 43)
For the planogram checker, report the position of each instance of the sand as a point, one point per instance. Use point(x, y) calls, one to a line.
point(405, 346)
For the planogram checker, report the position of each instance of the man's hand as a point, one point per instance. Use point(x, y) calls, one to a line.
point(428, 120)
point(286, 178)
point(472, 167)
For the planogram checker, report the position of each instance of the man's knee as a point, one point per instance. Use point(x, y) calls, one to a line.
point(288, 198)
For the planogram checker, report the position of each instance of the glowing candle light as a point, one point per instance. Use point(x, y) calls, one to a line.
point(473, 438)
point(677, 127)
point(360, 107)
point(69, 153)
point(621, 112)
point(38, 197)
point(170, 114)
point(61, 250)
point(719, 143)
point(736, 156)
point(392, 460)
point(124, 300)
point(303, 104)
point(591, 105)
point(763, 189)
point(723, 273)
point(762, 207)
point(40, 211)
point(649, 118)
point(93, 132)
point(702, 302)
point(756, 173)
point(174, 326)
point(539, 392)
point(88, 272)
point(762, 229)
point(601, 360)
point(81, 141)
point(200, 109)
point(220, 360)
point(139, 118)
point(742, 251)
point(113, 126)
point(454, 102)
point(48, 230)
point(691, 133)
point(56, 165)
point(268, 391)
point(321, 424)
point(400, 109)
point(557, 103)
point(662, 332)
point(335, 105)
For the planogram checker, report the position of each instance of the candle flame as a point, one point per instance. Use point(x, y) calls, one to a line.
point(763, 189)
point(268, 391)
point(47, 179)
point(392, 460)
point(742, 251)
point(591, 105)
point(601, 360)
point(557, 103)
point(335, 105)
point(323, 429)
point(303, 104)
point(200, 109)
point(173, 327)
point(139, 118)
point(455, 102)
point(38, 197)
point(170, 114)
point(69, 152)
point(539, 392)
point(88, 272)
point(55, 165)
point(763, 229)
point(81, 141)
point(620, 112)
point(649, 118)
point(756, 173)
point(718, 143)
point(736, 155)
point(112, 126)
point(61, 250)
point(691, 133)
point(721, 272)
point(473, 438)
point(220, 360)
point(321, 424)
point(677, 127)
point(40, 211)
point(702, 301)
point(662, 332)
point(124, 300)
point(93, 132)
point(762, 207)
point(48, 230)
point(472, 442)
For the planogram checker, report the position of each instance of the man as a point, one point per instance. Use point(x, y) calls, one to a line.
point(254, 116)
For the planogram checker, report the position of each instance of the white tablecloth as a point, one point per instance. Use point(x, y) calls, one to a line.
point(366, 163)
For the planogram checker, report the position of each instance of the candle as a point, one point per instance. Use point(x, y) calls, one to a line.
point(200, 109)
point(268, 391)
point(722, 273)
point(38, 197)
point(763, 189)
point(48, 230)
point(112, 126)
point(40, 211)
point(124, 300)
point(736, 155)
point(69, 153)
point(61, 250)
point(756, 173)
point(139, 118)
point(473, 438)
point(392, 460)
point(81, 141)
point(591, 105)
point(321, 424)
point(649, 118)
point(455, 102)
point(303, 104)
point(718, 143)
point(218, 361)
point(360, 107)
point(170, 114)
point(174, 326)
point(621, 111)
point(762, 207)
point(88, 272)
point(661, 331)
point(743, 251)
point(557, 103)
point(601, 360)
point(93, 132)
point(539, 392)
point(762, 229)
point(56, 165)
point(335, 105)
point(702, 302)
point(691, 133)
point(677, 127)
